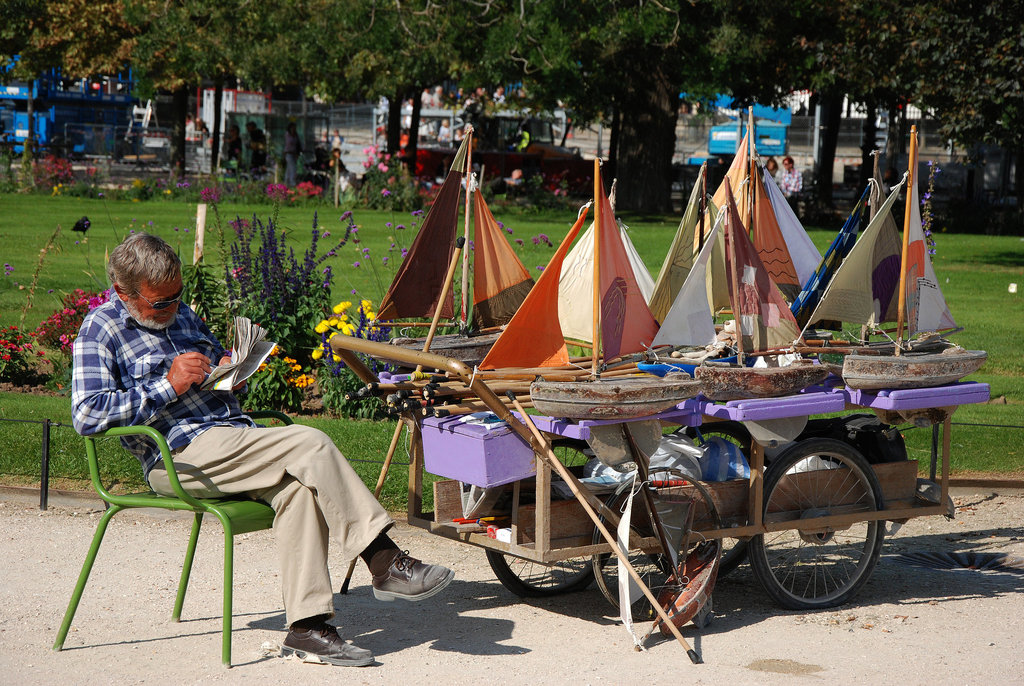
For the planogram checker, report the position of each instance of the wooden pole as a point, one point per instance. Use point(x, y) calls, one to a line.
point(730, 244)
point(911, 180)
point(702, 206)
point(197, 250)
point(548, 454)
point(459, 242)
point(597, 267)
point(464, 319)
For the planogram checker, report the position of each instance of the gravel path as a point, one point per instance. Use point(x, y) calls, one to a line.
point(910, 625)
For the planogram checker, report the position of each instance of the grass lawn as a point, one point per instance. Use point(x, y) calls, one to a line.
point(974, 273)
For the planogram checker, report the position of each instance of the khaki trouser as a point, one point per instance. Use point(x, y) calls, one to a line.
point(314, 491)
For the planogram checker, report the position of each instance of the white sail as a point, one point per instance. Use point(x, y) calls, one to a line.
point(690, 321)
point(924, 297)
point(849, 296)
point(576, 284)
point(682, 252)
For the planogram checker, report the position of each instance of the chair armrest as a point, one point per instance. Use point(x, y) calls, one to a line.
point(161, 444)
point(271, 414)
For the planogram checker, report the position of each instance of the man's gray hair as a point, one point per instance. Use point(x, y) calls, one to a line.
point(142, 258)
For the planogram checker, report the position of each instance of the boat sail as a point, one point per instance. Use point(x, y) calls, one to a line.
point(500, 281)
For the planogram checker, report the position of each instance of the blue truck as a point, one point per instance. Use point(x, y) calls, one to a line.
point(68, 113)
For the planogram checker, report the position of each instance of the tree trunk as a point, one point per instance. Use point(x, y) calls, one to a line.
point(867, 146)
point(831, 109)
point(179, 110)
point(414, 134)
point(644, 156)
point(218, 96)
point(613, 141)
point(395, 123)
point(892, 140)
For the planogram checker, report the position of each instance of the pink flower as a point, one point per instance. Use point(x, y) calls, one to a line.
point(381, 166)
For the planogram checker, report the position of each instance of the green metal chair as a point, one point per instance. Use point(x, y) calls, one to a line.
point(237, 515)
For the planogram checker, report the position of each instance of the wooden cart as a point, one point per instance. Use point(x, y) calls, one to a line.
point(815, 517)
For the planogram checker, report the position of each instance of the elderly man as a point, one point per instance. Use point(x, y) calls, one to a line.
point(139, 359)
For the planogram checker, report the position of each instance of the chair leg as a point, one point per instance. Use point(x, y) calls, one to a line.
point(83, 577)
point(186, 568)
point(229, 577)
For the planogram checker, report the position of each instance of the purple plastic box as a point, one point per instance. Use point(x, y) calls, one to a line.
point(481, 455)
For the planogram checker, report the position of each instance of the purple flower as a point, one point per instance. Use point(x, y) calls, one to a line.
point(210, 195)
point(536, 240)
point(356, 265)
point(540, 267)
point(385, 192)
point(345, 216)
point(366, 251)
point(519, 241)
point(7, 268)
point(404, 252)
point(384, 260)
point(353, 291)
point(416, 213)
point(400, 227)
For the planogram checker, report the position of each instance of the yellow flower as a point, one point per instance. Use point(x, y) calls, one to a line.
point(341, 307)
point(276, 350)
point(333, 321)
point(296, 367)
point(289, 360)
point(348, 329)
point(322, 327)
point(167, 191)
point(336, 358)
point(366, 305)
point(318, 353)
point(331, 337)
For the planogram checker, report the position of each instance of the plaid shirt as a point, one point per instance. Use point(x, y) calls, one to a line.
point(791, 182)
point(119, 378)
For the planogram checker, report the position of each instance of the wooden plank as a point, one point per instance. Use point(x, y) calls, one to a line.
point(447, 501)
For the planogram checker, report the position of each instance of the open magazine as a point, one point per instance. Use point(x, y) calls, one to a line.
point(248, 352)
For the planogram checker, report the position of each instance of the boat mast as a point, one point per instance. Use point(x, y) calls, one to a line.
point(702, 206)
point(597, 267)
point(904, 257)
point(752, 173)
point(734, 297)
point(464, 317)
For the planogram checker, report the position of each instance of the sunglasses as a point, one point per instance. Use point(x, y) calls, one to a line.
point(162, 304)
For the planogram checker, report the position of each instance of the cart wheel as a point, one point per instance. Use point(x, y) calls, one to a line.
point(813, 568)
point(529, 579)
point(734, 550)
point(654, 568)
point(572, 452)
point(734, 432)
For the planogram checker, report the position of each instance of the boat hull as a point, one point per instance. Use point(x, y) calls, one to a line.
point(739, 383)
point(469, 349)
point(620, 398)
point(910, 370)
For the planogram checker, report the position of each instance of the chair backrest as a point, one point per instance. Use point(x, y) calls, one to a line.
point(182, 500)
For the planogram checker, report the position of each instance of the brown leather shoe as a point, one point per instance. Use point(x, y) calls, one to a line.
point(409, 579)
point(324, 642)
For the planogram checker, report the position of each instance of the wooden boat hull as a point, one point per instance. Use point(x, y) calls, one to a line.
point(739, 383)
point(469, 349)
point(700, 571)
point(911, 370)
point(620, 398)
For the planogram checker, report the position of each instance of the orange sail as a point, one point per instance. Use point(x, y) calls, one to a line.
point(416, 288)
point(761, 313)
point(738, 171)
point(771, 245)
point(500, 281)
point(627, 325)
point(534, 338)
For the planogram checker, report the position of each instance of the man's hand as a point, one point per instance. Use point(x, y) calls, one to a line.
point(188, 369)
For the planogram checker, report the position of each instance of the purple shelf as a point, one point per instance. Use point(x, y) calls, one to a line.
point(757, 409)
point(964, 393)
